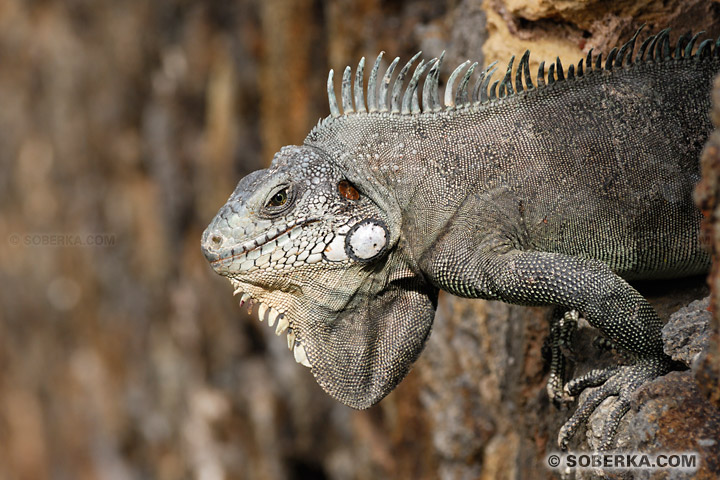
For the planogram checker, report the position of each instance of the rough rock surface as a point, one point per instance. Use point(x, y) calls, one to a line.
point(687, 333)
point(707, 196)
point(569, 28)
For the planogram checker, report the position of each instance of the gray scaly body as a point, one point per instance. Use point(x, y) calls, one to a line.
point(551, 192)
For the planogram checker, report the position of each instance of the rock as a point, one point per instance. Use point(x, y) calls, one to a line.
point(687, 333)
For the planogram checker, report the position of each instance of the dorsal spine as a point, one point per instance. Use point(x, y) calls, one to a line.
point(395, 97)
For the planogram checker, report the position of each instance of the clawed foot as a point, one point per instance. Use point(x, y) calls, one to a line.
point(562, 329)
point(613, 381)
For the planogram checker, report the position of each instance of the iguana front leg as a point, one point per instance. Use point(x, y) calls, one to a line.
point(488, 260)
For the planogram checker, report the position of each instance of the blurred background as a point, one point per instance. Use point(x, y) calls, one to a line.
point(124, 126)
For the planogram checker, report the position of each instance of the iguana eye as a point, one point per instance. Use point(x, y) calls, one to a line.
point(348, 191)
point(279, 199)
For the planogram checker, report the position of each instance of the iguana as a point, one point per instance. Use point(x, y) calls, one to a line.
point(547, 193)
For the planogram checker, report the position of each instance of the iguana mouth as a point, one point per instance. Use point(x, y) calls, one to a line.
point(273, 315)
point(262, 245)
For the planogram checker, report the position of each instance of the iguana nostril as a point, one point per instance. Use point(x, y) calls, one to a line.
point(212, 244)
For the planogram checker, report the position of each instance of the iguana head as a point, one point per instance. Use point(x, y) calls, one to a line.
point(320, 250)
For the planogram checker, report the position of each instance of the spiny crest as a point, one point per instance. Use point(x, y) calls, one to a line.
point(386, 95)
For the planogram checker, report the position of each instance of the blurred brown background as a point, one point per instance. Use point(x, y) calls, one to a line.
point(124, 126)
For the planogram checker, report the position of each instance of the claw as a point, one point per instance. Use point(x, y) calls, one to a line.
point(562, 328)
point(581, 415)
point(593, 378)
point(617, 412)
point(614, 381)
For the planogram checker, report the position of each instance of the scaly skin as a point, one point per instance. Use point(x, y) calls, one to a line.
point(551, 195)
